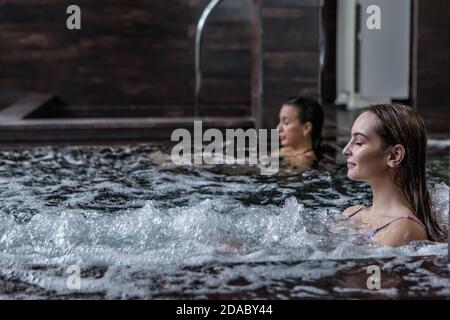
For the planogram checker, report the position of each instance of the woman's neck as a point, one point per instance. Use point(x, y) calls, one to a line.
point(299, 149)
point(388, 198)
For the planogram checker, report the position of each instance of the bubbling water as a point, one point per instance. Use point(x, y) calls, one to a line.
point(126, 213)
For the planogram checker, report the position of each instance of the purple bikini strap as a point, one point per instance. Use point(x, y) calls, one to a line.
point(375, 231)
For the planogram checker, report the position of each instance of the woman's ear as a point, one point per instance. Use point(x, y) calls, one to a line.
point(307, 128)
point(396, 155)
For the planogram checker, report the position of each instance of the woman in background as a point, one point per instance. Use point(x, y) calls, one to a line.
point(300, 129)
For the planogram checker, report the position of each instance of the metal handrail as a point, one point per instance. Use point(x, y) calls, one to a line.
point(198, 43)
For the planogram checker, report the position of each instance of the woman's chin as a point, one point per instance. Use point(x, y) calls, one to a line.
point(352, 176)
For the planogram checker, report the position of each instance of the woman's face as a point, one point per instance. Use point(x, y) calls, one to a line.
point(292, 132)
point(365, 159)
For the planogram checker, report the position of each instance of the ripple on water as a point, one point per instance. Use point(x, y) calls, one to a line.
point(125, 219)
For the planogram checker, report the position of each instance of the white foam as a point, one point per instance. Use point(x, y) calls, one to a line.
point(439, 143)
point(197, 218)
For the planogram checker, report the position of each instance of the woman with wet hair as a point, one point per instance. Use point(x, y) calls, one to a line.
point(387, 150)
point(300, 129)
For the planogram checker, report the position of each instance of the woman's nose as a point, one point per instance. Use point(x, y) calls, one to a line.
point(346, 151)
point(279, 126)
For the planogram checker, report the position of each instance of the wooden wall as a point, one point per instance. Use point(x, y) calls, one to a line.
point(329, 23)
point(141, 53)
point(128, 53)
point(433, 80)
point(290, 49)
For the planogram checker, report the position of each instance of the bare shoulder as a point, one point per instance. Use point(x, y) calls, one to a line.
point(298, 163)
point(401, 232)
point(351, 210)
point(310, 155)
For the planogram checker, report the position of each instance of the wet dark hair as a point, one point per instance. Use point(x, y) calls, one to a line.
point(309, 110)
point(403, 125)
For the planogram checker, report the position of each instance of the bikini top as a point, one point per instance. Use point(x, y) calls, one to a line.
point(373, 232)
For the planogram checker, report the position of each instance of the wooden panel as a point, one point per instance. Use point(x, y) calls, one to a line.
point(292, 3)
point(104, 130)
point(222, 63)
point(433, 56)
point(328, 84)
point(291, 53)
point(290, 29)
point(215, 87)
point(128, 52)
point(133, 111)
point(292, 64)
point(256, 64)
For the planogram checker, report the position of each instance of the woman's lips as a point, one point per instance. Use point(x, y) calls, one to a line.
point(350, 165)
